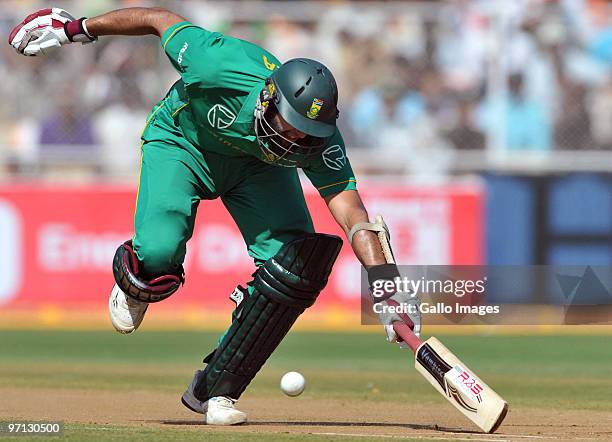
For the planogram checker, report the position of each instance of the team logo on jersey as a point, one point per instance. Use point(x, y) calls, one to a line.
point(313, 112)
point(334, 157)
point(270, 66)
point(220, 117)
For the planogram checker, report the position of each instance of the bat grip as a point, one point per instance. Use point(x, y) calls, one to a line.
point(405, 332)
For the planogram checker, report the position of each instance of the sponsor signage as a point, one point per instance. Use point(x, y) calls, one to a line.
point(57, 243)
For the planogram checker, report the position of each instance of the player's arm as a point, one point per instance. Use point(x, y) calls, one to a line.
point(51, 28)
point(133, 21)
point(350, 213)
point(348, 210)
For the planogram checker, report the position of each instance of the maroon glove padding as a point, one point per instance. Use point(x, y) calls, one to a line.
point(76, 32)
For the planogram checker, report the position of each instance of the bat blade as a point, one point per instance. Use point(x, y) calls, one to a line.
point(460, 386)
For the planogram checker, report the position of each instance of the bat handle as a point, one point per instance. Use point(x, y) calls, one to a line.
point(407, 335)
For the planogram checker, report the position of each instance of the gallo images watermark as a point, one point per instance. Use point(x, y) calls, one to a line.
point(409, 293)
point(488, 295)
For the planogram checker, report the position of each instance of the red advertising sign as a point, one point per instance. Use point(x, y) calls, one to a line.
point(57, 243)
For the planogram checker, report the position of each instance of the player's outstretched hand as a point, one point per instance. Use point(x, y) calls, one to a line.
point(46, 30)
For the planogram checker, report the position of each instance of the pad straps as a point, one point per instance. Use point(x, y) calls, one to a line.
point(382, 231)
point(374, 227)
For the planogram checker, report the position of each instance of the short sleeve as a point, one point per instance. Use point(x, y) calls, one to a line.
point(186, 45)
point(331, 172)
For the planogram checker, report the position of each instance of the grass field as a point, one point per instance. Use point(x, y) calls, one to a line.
point(111, 387)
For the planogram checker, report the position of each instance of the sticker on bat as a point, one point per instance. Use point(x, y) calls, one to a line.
point(433, 363)
point(467, 383)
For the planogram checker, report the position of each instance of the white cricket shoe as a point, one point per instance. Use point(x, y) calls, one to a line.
point(219, 410)
point(126, 313)
point(222, 411)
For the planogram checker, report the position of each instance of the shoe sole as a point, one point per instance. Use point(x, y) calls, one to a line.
point(228, 425)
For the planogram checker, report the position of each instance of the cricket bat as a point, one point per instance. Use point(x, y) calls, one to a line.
point(455, 381)
point(442, 369)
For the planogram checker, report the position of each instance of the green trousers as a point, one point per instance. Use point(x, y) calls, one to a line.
point(266, 202)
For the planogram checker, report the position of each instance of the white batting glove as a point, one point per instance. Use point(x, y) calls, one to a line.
point(47, 30)
point(407, 310)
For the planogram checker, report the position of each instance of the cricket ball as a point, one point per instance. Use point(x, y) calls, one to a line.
point(292, 383)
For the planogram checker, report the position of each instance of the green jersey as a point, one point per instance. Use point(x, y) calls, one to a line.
point(214, 101)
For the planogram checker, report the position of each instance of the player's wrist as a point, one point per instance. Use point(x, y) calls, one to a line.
point(77, 31)
point(378, 275)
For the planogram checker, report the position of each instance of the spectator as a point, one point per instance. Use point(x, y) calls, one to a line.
point(522, 122)
point(66, 126)
point(114, 127)
point(66, 139)
point(384, 109)
point(600, 109)
point(399, 67)
point(464, 135)
point(288, 39)
point(573, 128)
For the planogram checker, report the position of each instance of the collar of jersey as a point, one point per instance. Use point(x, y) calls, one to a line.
point(246, 114)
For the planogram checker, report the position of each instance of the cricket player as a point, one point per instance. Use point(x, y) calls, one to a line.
point(237, 125)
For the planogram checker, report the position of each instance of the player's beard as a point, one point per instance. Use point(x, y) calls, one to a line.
point(281, 150)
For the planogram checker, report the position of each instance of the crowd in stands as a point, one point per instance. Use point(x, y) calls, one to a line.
point(414, 78)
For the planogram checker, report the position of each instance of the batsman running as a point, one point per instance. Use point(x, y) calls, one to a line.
point(237, 125)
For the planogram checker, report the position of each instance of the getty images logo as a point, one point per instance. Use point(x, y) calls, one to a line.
point(10, 252)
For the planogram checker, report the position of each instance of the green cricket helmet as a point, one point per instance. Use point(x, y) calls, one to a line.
point(304, 93)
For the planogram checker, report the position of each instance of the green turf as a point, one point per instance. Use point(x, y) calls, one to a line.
point(556, 371)
point(104, 433)
point(553, 372)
